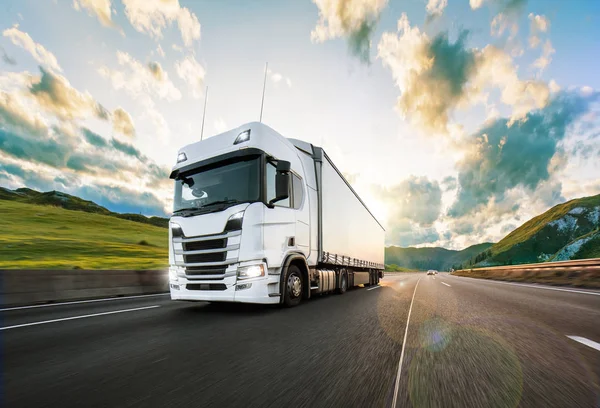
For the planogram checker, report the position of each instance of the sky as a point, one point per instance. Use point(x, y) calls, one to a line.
point(455, 121)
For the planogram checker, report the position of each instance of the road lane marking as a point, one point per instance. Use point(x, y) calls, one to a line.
point(376, 287)
point(77, 317)
point(585, 341)
point(7, 309)
point(531, 286)
point(397, 386)
point(444, 283)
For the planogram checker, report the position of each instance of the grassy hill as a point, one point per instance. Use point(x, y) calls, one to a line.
point(69, 202)
point(566, 231)
point(36, 236)
point(431, 258)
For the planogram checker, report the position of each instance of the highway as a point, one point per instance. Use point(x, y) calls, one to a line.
point(465, 343)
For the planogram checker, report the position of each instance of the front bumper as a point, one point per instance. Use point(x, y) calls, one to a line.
point(263, 290)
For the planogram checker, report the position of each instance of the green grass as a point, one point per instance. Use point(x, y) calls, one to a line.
point(46, 237)
point(526, 243)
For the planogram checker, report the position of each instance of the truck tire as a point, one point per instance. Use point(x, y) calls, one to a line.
point(343, 283)
point(292, 292)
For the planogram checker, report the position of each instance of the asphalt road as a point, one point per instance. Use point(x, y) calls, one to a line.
point(468, 343)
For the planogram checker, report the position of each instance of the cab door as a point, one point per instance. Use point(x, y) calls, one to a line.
point(279, 222)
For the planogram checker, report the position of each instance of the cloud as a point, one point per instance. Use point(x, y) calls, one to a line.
point(55, 94)
point(193, 74)
point(152, 16)
point(122, 199)
point(449, 183)
point(413, 206)
point(544, 60)
point(352, 19)
point(508, 228)
point(277, 77)
point(101, 9)
point(539, 24)
point(435, 8)
point(160, 51)
point(37, 51)
point(7, 58)
point(139, 80)
point(501, 157)
point(14, 114)
point(432, 74)
point(156, 70)
point(122, 122)
point(495, 68)
point(475, 4)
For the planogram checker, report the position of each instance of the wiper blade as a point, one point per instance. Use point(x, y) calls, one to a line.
point(186, 209)
point(220, 202)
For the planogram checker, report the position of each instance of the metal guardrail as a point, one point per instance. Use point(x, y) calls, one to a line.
point(587, 263)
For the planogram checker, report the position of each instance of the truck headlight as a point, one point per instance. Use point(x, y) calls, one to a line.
point(173, 275)
point(234, 223)
point(253, 271)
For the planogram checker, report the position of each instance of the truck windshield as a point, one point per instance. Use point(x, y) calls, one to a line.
point(226, 184)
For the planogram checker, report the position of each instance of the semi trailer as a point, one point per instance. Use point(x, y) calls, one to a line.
point(260, 218)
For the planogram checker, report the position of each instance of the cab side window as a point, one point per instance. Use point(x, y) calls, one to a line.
point(297, 190)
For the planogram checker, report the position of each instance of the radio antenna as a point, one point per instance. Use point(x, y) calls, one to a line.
point(263, 93)
point(204, 112)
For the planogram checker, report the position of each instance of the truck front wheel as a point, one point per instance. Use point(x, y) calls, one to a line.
point(293, 287)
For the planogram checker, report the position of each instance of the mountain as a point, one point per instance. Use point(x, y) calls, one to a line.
point(69, 202)
point(566, 231)
point(431, 258)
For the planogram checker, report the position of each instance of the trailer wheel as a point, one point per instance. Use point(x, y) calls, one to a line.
point(343, 284)
point(293, 287)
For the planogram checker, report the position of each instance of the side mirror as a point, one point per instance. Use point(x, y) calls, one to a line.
point(282, 182)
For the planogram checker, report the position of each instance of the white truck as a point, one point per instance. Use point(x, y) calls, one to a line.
point(260, 218)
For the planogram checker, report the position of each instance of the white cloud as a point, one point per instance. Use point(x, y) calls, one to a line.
point(544, 60)
point(475, 4)
point(122, 122)
point(436, 7)
point(37, 51)
point(352, 19)
point(553, 85)
point(140, 80)
point(160, 51)
point(436, 77)
point(99, 8)
point(277, 77)
point(193, 74)
point(539, 24)
point(152, 16)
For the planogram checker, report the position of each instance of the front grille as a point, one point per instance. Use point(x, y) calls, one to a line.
point(206, 286)
point(210, 257)
point(199, 271)
point(202, 245)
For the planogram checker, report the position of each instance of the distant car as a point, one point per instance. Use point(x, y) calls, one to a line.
point(431, 272)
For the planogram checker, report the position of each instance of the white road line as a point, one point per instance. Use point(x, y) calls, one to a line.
point(375, 287)
point(6, 309)
point(403, 347)
point(77, 317)
point(444, 283)
point(585, 341)
point(530, 286)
